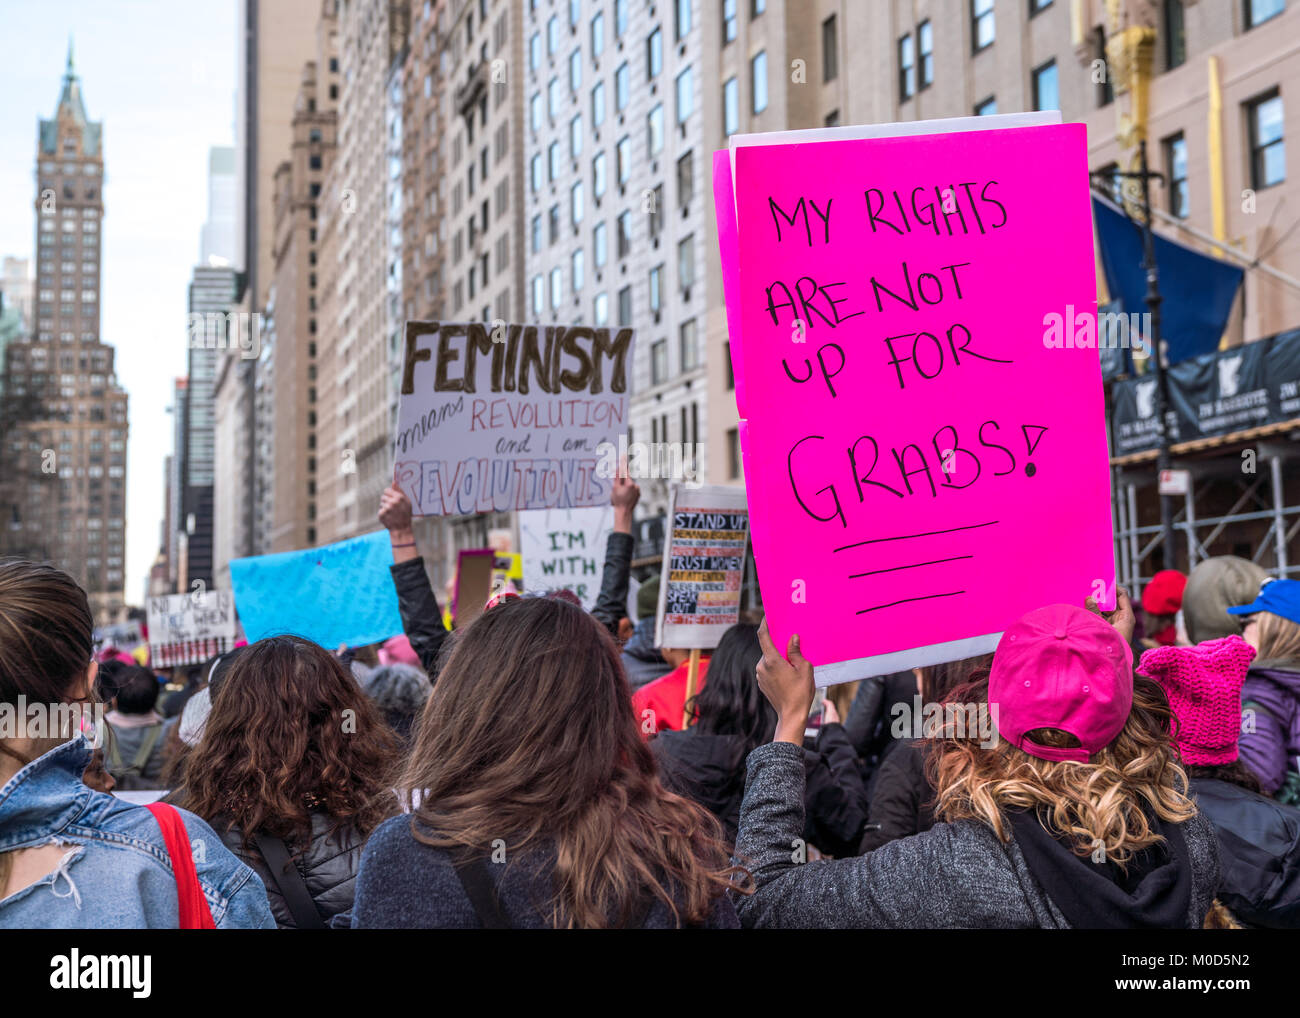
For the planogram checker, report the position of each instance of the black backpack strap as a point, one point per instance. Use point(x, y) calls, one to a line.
point(473, 874)
point(289, 882)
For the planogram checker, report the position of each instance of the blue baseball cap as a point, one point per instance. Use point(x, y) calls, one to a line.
point(1281, 597)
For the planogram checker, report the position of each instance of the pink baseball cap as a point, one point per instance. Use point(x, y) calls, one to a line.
point(1062, 667)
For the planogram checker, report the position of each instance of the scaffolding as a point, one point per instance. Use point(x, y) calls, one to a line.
point(1237, 503)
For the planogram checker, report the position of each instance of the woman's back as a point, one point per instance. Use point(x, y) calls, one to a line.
point(326, 864)
point(407, 884)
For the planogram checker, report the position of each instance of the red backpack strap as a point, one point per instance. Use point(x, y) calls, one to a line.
point(194, 911)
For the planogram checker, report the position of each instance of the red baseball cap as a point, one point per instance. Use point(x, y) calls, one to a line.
point(1164, 594)
point(1061, 667)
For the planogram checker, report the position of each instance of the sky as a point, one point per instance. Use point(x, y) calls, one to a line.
point(160, 74)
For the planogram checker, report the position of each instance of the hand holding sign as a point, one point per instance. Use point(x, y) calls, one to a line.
point(787, 684)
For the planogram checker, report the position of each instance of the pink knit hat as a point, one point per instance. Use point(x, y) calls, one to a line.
point(1204, 688)
point(397, 650)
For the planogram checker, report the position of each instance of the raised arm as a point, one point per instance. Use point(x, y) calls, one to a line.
point(421, 616)
point(611, 605)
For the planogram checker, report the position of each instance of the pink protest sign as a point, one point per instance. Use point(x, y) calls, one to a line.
point(924, 464)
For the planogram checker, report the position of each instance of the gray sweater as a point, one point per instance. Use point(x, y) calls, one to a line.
point(956, 875)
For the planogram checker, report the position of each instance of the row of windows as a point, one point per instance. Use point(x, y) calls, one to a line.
point(577, 279)
point(1267, 156)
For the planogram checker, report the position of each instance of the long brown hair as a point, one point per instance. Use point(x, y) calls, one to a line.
point(1094, 804)
point(1279, 641)
point(45, 643)
point(530, 738)
point(291, 731)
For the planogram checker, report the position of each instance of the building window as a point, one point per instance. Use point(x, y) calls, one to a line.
point(832, 119)
point(987, 108)
point(575, 71)
point(830, 50)
point(757, 7)
point(578, 271)
point(925, 43)
point(683, 19)
point(1260, 11)
point(733, 454)
point(1045, 90)
point(575, 137)
point(1038, 5)
point(620, 17)
point(557, 287)
point(1267, 152)
point(655, 130)
point(553, 219)
point(982, 31)
point(539, 294)
point(598, 176)
point(576, 204)
point(906, 68)
point(656, 211)
point(686, 263)
point(598, 35)
point(656, 289)
point(1176, 169)
point(1175, 34)
point(534, 53)
point(1105, 91)
point(600, 309)
point(730, 107)
point(758, 81)
point(599, 246)
point(625, 306)
point(654, 54)
point(687, 340)
point(685, 95)
point(728, 21)
point(623, 156)
point(552, 35)
point(685, 179)
point(535, 174)
point(553, 98)
point(553, 161)
point(624, 234)
point(622, 88)
point(659, 362)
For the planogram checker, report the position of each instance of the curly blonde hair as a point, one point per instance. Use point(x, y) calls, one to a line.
point(1102, 803)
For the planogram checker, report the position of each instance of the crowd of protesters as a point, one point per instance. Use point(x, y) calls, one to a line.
point(544, 766)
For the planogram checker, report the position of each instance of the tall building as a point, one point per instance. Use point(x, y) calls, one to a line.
point(276, 41)
point(217, 240)
point(16, 286)
point(617, 200)
point(293, 340)
point(354, 464)
point(72, 466)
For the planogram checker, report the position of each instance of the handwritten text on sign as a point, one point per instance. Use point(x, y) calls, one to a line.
point(565, 549)
point(202, 615)
point(704, 566)
point(506, 417)
point(928, 468)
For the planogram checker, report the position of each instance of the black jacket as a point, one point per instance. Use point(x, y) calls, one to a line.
point(641, 658)
point(711, 770)
point(871, 717)
point(902, 801)
point(1259, 853)
point(421, 616)
point(611, 603)
point(328, 866)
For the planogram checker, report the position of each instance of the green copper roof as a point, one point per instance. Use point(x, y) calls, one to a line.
point(70, 98)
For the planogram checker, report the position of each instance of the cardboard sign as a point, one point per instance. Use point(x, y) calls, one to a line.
point(189, 628)
point(510, 417)
point(704, 566)
point(565, 548)
point(478, 572)
point(924, 463)
point(337, 594)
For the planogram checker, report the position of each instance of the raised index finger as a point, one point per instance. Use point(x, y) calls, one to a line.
point(765, 640)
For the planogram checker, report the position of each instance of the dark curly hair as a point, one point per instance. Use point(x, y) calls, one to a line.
point(289, 732)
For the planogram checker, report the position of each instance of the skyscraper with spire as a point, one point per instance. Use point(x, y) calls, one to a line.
point(67, 494)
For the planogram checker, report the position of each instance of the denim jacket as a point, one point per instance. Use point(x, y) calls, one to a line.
point(115, 873)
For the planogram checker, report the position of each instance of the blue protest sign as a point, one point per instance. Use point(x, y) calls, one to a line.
point(340, 593)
